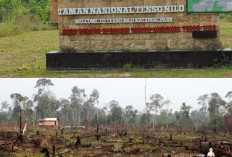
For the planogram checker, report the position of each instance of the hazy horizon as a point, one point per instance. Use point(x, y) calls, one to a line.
point(125, 91)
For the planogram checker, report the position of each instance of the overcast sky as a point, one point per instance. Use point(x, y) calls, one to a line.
point(125, 91)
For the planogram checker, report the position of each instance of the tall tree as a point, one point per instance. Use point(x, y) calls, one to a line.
point(185, 118)
point(4, 105)
point(94, 96)
point(157, 102)
point(65, 105)
point(229, 104)
point(43, 84)
point(131, 114)
point(203, 101)
point(215, 104)
point(115, 112)
point(77, 100)
point(42, 98)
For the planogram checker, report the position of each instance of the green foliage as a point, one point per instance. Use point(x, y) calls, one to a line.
point(17, 16)
point(164, 117)
point(226, 17)
point(39, 9)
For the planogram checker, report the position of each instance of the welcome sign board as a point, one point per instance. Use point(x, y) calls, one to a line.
point(134, 25)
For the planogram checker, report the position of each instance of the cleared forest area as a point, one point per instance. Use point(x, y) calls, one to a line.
point(112, 141)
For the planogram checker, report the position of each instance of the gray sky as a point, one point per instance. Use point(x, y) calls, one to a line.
point(125, 91)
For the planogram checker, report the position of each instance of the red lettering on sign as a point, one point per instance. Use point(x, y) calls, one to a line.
point(209, 28)
point(126, 30)
point(69, 32)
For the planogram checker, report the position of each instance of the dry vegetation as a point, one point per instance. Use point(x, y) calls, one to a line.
point(112, 141)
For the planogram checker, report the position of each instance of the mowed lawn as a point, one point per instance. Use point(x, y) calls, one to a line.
point(24, 56)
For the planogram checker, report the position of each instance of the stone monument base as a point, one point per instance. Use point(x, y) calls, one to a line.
point(117, 60)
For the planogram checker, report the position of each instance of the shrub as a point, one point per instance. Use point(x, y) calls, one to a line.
point(22, 23)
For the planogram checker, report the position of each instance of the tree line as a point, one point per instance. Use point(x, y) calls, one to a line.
point(18, 16)
point(10, 9)
point(82, 109)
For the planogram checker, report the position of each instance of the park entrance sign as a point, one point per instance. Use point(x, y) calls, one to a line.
point(209, 6)
point(134, 25)
point(111, 33)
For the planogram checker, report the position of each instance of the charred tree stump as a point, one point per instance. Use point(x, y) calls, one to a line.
point(210, 145)
point(45, 151)
point(170, 138)
point(125, 133)
point(205, 139)
point(97, 137)
point(36, 143)
point(130, 140)
point(54, 150)
point(200, 146)
point(19, 138)
point(78, 142)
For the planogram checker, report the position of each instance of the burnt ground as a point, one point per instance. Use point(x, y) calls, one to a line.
point(112, 141)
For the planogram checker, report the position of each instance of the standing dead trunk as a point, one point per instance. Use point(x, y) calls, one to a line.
point(24, 129)
point(88, 117)
point(66, 118)
point(97, 118)
point(73, 115)
point(153, 122)
point(20, 121)
point(44, 114)
point(79, 117)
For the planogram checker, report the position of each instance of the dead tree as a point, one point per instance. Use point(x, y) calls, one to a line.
point(20, 136)
point(20, 121)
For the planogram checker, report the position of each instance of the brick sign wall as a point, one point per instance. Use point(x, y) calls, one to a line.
point(134, 25)
point(54, 11)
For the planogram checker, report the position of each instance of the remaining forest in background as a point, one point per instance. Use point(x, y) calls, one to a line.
point(81, 109)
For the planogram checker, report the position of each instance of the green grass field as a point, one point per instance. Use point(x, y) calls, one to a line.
point(24, 56)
